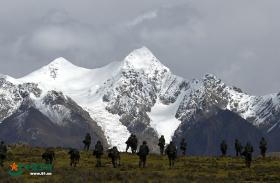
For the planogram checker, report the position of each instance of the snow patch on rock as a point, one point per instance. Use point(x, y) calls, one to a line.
point(163, 118)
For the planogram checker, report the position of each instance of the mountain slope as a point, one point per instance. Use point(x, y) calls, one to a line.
point(137, 95)
point(209, 92)
point(205, 136)
point(12, 95)
point(30, 125)
point(118, 96)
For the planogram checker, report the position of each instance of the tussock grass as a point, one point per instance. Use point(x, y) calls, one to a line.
point(187, 169)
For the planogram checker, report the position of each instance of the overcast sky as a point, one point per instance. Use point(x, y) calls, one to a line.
point(238, 40)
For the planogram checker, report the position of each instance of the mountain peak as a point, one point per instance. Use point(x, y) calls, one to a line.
point(142, 51)
point(59, 69)
point(60, 62)
point(210, 76)
point(144, 59)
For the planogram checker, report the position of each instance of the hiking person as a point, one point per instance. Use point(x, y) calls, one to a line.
point(183, 146)
point(238, 147)
point(161, 144)
point(74, 157)
point(134, 144)
point(3, 153)
point(114, 154)
point(98, 152)
point(87, 141)
point(223, 147)
point(171, 152)
point(248, 151)
point(129, 142)
point(263, 147)
point(143, 153)
point(48, 156)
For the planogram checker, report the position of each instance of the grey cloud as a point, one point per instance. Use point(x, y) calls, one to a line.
point(236, 40)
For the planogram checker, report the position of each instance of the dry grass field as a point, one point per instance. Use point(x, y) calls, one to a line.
point(187, 169)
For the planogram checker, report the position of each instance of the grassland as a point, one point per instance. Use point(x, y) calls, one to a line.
point(187, 169)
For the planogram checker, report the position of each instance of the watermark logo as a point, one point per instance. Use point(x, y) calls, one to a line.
point(15, 170)
point(33, 169)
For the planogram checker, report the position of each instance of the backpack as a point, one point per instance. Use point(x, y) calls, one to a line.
point(76, 153)
point(143, 151)
point(171, 150)
point(98, 149)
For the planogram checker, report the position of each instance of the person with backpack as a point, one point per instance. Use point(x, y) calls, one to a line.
point(238, 147)
point(223, 147)
point(74, 157)
point(263, 147)
point(161, 144)
point(129, 142)
point(248, 151)
point(134, 144)
point(171, 152)
point(3, 153)
point(114, 154)
point(98, 152)
point(183, 146)
point(87, 141)
point(48, 156)
point(143, 153)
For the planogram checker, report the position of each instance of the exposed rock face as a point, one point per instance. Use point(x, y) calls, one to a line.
point(53, 120)
point(137, 89)
point(12, 95)
point(210, 92)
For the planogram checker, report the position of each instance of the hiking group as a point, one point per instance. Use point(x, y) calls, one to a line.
point(143, 151)
point(246, 151)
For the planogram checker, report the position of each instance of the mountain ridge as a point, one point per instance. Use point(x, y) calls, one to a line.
point(133, 96)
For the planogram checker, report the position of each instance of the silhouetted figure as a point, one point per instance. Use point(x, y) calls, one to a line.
point(161, 144)
point(134, 144)
point(87, 141)
point(171, 152)
point(263, 147)
point(143, 153)
point(183, 146)
point(238, 147)
point(98, 152)
point(3, 153)
point(74, 157)
point(48, 156)
point(129, 142)
point(224, 148)
point(248, 150)
point(114, 154)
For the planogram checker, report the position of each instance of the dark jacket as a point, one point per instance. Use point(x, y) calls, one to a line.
point(143, 150)
point(161, 141)
point(98, 150)
point(3, 149)
point(171, 150)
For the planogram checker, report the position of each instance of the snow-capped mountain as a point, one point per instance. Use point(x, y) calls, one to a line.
point(203, 94)
point(35, 125)
point(137, 95)
point(119, 96)
point(12, 95)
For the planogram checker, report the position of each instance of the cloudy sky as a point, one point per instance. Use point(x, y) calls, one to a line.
point(237, 40)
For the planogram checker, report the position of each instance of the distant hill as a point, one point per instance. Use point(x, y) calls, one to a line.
point(205, 136)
